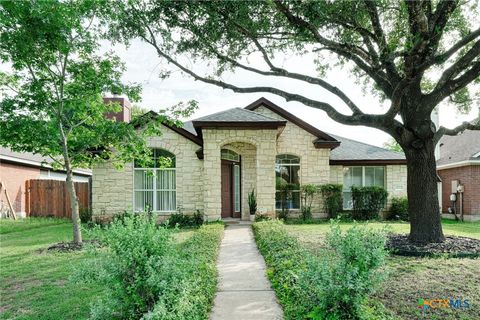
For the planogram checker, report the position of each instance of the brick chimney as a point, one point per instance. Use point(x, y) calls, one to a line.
point(124, 114)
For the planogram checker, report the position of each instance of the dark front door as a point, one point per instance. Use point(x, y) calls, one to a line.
point(227, 194)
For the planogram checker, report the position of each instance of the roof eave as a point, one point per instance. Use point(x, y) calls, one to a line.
point(353, 162)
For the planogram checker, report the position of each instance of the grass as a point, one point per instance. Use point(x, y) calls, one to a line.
point(413, 278)
point(33, 283)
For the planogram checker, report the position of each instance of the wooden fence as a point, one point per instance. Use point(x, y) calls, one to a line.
point(50, 198)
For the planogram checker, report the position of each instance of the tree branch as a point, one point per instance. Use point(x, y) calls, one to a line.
point(453, 132)
point(376, 121)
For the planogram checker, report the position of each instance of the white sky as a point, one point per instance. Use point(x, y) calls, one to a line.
point(143, 66)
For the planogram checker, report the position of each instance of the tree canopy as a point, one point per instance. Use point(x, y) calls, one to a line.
point(413, 55)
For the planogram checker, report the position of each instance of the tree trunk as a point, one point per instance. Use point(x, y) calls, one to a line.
point(77, 232)
point(423, 207)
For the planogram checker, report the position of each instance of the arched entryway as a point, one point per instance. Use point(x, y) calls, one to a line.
point(231, 184)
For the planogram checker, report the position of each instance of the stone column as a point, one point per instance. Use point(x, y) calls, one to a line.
point(266, 152)
point(211, 176)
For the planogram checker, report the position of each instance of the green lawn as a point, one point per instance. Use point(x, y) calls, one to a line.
point(34, 284)
point(413, 278)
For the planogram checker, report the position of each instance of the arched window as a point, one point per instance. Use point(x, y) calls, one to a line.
point(155, 186)
point(229, 155)
point(287, 174)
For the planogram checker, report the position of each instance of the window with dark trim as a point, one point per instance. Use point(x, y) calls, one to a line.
point(287, 171)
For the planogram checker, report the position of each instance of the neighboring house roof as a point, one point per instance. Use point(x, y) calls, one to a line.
point(33, 160)
point(355, 152)
point(323, 139)
point(460, 150)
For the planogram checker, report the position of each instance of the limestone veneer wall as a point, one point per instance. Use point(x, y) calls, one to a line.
point(263, 140)
point(314, 163)
point(112, 189)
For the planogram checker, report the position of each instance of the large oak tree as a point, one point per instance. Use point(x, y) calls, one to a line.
point(413, 54)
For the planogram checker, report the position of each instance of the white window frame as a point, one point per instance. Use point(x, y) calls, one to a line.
point(363, 179)
point(154, 186)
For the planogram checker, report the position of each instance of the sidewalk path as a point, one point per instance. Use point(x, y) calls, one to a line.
point(243, 290)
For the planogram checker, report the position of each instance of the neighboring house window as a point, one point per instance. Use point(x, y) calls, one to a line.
point(155, 187)
point(360, 177)
point(287, 170)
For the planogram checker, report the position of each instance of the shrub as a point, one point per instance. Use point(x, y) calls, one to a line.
point(308, 191)
point(341, 280)
point(399, 209)
point(333, 285)
point(252, 202)
point(332, 199)
point(262, 217)
point(183, 220)
point(367, 202)
point(149, 276)
point(85, 215)
point(284, 190)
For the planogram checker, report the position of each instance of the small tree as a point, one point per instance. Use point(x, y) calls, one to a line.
point(308, 191)
point(52, 99)
point(332, 199)
point(284, 189)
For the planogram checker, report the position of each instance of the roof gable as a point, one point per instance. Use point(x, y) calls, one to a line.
point(323, 140)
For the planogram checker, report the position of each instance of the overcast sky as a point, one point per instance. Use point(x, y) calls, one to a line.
point(143, 66)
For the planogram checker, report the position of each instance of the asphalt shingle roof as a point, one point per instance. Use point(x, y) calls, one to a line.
point(458, 148)
point(236, 115)
point(355, 150)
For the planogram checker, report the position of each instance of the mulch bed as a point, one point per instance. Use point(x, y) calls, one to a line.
point(70, 246)
point(454, 247)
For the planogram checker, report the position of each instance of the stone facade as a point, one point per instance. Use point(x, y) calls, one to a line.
point(314, 163)
point(263, 142)
point(112, 189)
point(198, 182)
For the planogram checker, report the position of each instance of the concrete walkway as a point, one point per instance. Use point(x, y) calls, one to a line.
point(243, 290)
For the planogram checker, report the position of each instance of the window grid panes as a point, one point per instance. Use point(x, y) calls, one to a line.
point(362, 177)
point(287, 170)
point(155, 188)
point(229, 155)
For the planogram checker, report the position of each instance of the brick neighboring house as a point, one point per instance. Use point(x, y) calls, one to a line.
point(16, 168)
point(460, 160)
point(218, 159)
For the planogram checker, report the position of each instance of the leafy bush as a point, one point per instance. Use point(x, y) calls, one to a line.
point(308, 191)
point(332, 199)
point(262, 217)
point(333, 285)
point(85, 215)
point(149, 276)
point(368, 201)
point(341, 280)
point(183, 220)
point(399, 209)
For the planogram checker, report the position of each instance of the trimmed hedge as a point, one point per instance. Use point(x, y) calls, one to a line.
point(150, 276)
point(399, 209)
point(367, 202)
point(333, 285)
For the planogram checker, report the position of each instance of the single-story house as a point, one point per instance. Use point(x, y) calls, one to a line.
point(218, 159)
point(459, 162)
point(16, 168)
